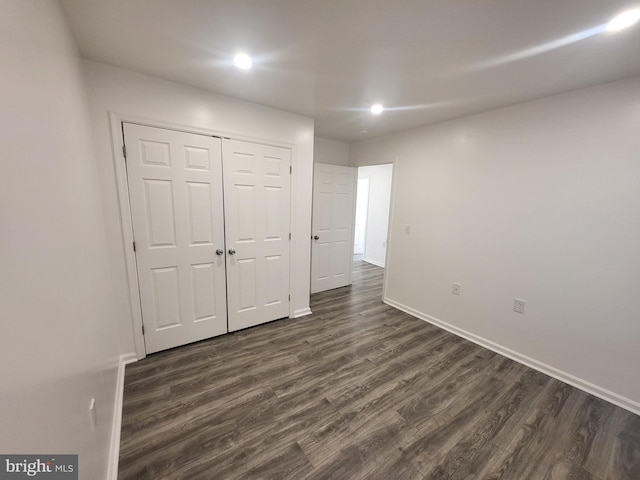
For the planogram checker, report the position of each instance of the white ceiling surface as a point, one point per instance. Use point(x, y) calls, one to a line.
point(426, 61)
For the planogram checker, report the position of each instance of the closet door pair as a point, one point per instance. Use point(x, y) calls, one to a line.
point(211, 223)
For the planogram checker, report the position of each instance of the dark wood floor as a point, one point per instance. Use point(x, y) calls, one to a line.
point(359, 390)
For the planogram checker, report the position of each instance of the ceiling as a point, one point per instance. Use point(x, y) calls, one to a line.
point(426, 61)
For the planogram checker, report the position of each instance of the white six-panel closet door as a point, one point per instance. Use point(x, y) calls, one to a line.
point(176, 198)
point(257, 223)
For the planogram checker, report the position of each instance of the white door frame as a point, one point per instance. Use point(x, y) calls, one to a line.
point(394, 172)
point(126, 222)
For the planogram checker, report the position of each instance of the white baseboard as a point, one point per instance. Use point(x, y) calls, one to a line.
point(302, 312)
point(114, 450)
point(565, 377)
point(373, 262)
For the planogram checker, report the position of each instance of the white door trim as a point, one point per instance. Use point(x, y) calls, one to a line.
point(126, 222)
point(394, 174)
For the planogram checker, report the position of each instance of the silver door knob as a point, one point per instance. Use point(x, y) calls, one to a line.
point(316, 237)
point(232, 251)
point(219, 251)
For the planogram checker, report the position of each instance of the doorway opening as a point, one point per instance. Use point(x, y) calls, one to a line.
point(373, 200)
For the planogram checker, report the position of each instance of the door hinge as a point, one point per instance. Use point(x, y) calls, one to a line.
point(124, 151)
point(289, 297)
point(289, 235)
point(143, 328)
point(134, 246)
point(290, 169)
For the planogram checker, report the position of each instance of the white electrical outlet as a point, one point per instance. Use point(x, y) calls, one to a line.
point(518, 305)
point(407, 229)
point(93, 416)
point(455, 288)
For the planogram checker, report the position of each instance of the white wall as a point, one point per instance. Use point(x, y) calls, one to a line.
point(539, 201)
point(362, 208)
point(379, 176)
point(332, 152)
point(58, 344)
point(128, 93)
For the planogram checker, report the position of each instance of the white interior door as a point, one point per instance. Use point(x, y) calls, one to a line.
point(257, 210)
point(332, 226)
point(175, 190)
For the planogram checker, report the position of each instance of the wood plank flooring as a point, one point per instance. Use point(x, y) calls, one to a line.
point(359, 390)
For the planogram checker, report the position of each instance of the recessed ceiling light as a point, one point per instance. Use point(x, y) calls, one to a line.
point(377, 109)
point(242, 61)
point(624, 20)
point(363, 132)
